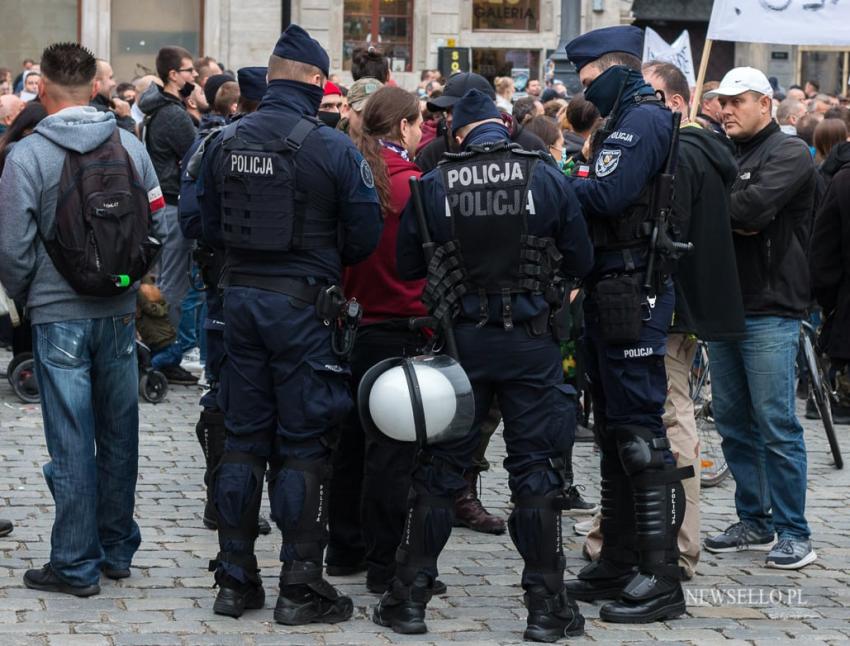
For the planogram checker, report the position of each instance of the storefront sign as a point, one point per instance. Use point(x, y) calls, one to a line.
point(452, 60)
point(513, 15)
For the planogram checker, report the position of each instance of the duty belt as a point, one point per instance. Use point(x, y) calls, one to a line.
point(294, 287)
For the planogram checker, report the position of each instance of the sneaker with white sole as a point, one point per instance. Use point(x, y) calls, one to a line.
point(583, 528)
point(791, 554)
point(738, 537)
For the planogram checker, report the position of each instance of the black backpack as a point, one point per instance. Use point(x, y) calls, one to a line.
point(101, 242)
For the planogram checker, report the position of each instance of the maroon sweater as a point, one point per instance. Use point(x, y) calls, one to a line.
point(375, 282)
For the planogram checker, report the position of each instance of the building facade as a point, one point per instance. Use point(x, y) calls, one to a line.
point(492, 37)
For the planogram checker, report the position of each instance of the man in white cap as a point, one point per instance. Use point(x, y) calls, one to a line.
point(753, 379)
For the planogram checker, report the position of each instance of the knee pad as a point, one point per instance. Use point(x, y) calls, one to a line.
point(210, 432)
point(640, 449)
point(298, 491)
point(535, 528)
point(238, 491)
point(426, 531)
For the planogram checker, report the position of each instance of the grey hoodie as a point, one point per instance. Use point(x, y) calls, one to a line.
point(28, 194)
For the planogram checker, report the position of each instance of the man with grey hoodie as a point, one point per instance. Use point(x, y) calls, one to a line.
point(84, 345)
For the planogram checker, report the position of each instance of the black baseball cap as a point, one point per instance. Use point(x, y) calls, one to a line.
point(458, 85)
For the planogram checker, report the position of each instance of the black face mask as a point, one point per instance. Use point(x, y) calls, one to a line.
point(329, 118)
point(186, 90)
point(602, 92)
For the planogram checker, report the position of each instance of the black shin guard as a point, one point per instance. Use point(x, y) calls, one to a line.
point(307, 534)
point(426, 532)
point(535, 528)
point(210, 432)
point(237, 498)
point(618, 519)
point(659, 500)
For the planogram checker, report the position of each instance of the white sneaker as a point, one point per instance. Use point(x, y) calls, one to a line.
point(583, 528)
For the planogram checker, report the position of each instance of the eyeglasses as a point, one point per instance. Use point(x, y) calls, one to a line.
point(187, 69)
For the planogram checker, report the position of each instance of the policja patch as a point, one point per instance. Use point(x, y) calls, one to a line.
point(607, 162)
point(366, 174)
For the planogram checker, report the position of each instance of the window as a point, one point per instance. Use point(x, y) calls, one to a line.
point(491, 63)
point(140, 28)
point(506, 15)
point(383, 23)
point(828, 68)
point(28, 26)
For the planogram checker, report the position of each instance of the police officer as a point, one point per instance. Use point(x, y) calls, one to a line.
point(290, 201)
point(511, 233)
point(210, 426)
point(626, 332)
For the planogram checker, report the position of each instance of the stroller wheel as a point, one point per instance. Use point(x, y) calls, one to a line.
point(16, 360)
point(24, 382)
point(153, 386)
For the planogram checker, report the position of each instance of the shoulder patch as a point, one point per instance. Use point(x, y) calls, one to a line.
point(366, 174)
point(623, 138)
point(607, 162)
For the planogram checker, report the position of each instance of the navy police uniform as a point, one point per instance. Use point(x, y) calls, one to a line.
point(625, 342)
point(210, 261)
point(290, 201)
point(509, 229)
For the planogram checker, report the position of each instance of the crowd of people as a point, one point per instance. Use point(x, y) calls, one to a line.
point(266, 186)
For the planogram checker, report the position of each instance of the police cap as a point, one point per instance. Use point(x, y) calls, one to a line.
point(295, 44)
point(473, 106)
point(212, 85)
point(594, 44)
point(252, 82)
point(458, 85)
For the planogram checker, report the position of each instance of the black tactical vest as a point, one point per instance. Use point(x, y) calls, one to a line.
point(488, 200)
point(261, 206)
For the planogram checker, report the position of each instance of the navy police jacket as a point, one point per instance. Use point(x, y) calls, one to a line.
point(625, 164)
point(556, 214)
point(189, 212)
point(328, 166)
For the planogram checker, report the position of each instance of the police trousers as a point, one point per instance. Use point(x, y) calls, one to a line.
point(283, 392)
point(538, 410)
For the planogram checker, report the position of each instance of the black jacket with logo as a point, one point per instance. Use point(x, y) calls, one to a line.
point(708, 293)
point(771, 211)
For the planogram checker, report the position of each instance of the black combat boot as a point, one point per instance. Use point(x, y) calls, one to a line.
point(551, 616)
point(402, 607)
point(655, 593)
point(315, 601)
point(234, 596)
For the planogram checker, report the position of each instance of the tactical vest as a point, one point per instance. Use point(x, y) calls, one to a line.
point(631, 229)
point(261, 206)
point(488, 200)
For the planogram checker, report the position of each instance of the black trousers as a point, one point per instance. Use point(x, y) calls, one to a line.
point(367, 501)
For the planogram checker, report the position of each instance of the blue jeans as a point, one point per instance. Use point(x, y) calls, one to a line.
point(173, 276)
point(88, 378)
point(167, 357)
point(191, 316)
point(752, 384)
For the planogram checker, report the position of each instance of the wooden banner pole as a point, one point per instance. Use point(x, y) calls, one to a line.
point(696, 99)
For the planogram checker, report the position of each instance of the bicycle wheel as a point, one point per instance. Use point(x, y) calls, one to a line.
point(713, 466)
point(819, 387)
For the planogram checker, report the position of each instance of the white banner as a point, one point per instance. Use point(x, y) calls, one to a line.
point(784, 22)
point(655, 48)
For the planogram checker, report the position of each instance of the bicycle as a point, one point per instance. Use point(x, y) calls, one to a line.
point(713, 466)
point(820, 386)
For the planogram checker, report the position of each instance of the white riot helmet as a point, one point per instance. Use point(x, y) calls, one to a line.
point(426, 399)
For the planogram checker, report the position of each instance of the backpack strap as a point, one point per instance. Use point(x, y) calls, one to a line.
point(299, 133)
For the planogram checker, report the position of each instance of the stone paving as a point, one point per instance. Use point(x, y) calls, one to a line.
point(168, 599)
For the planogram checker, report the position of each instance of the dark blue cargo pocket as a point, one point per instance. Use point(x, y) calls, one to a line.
point(325, 396)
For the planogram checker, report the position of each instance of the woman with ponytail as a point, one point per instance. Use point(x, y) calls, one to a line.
point(371, 475)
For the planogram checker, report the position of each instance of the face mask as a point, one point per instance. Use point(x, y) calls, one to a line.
point(602, 92)
point(186, 90)
point(329, 118)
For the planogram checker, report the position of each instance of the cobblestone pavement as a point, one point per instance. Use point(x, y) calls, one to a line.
point(169, 597)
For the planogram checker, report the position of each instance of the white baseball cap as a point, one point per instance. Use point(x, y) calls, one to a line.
point(740, 80)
